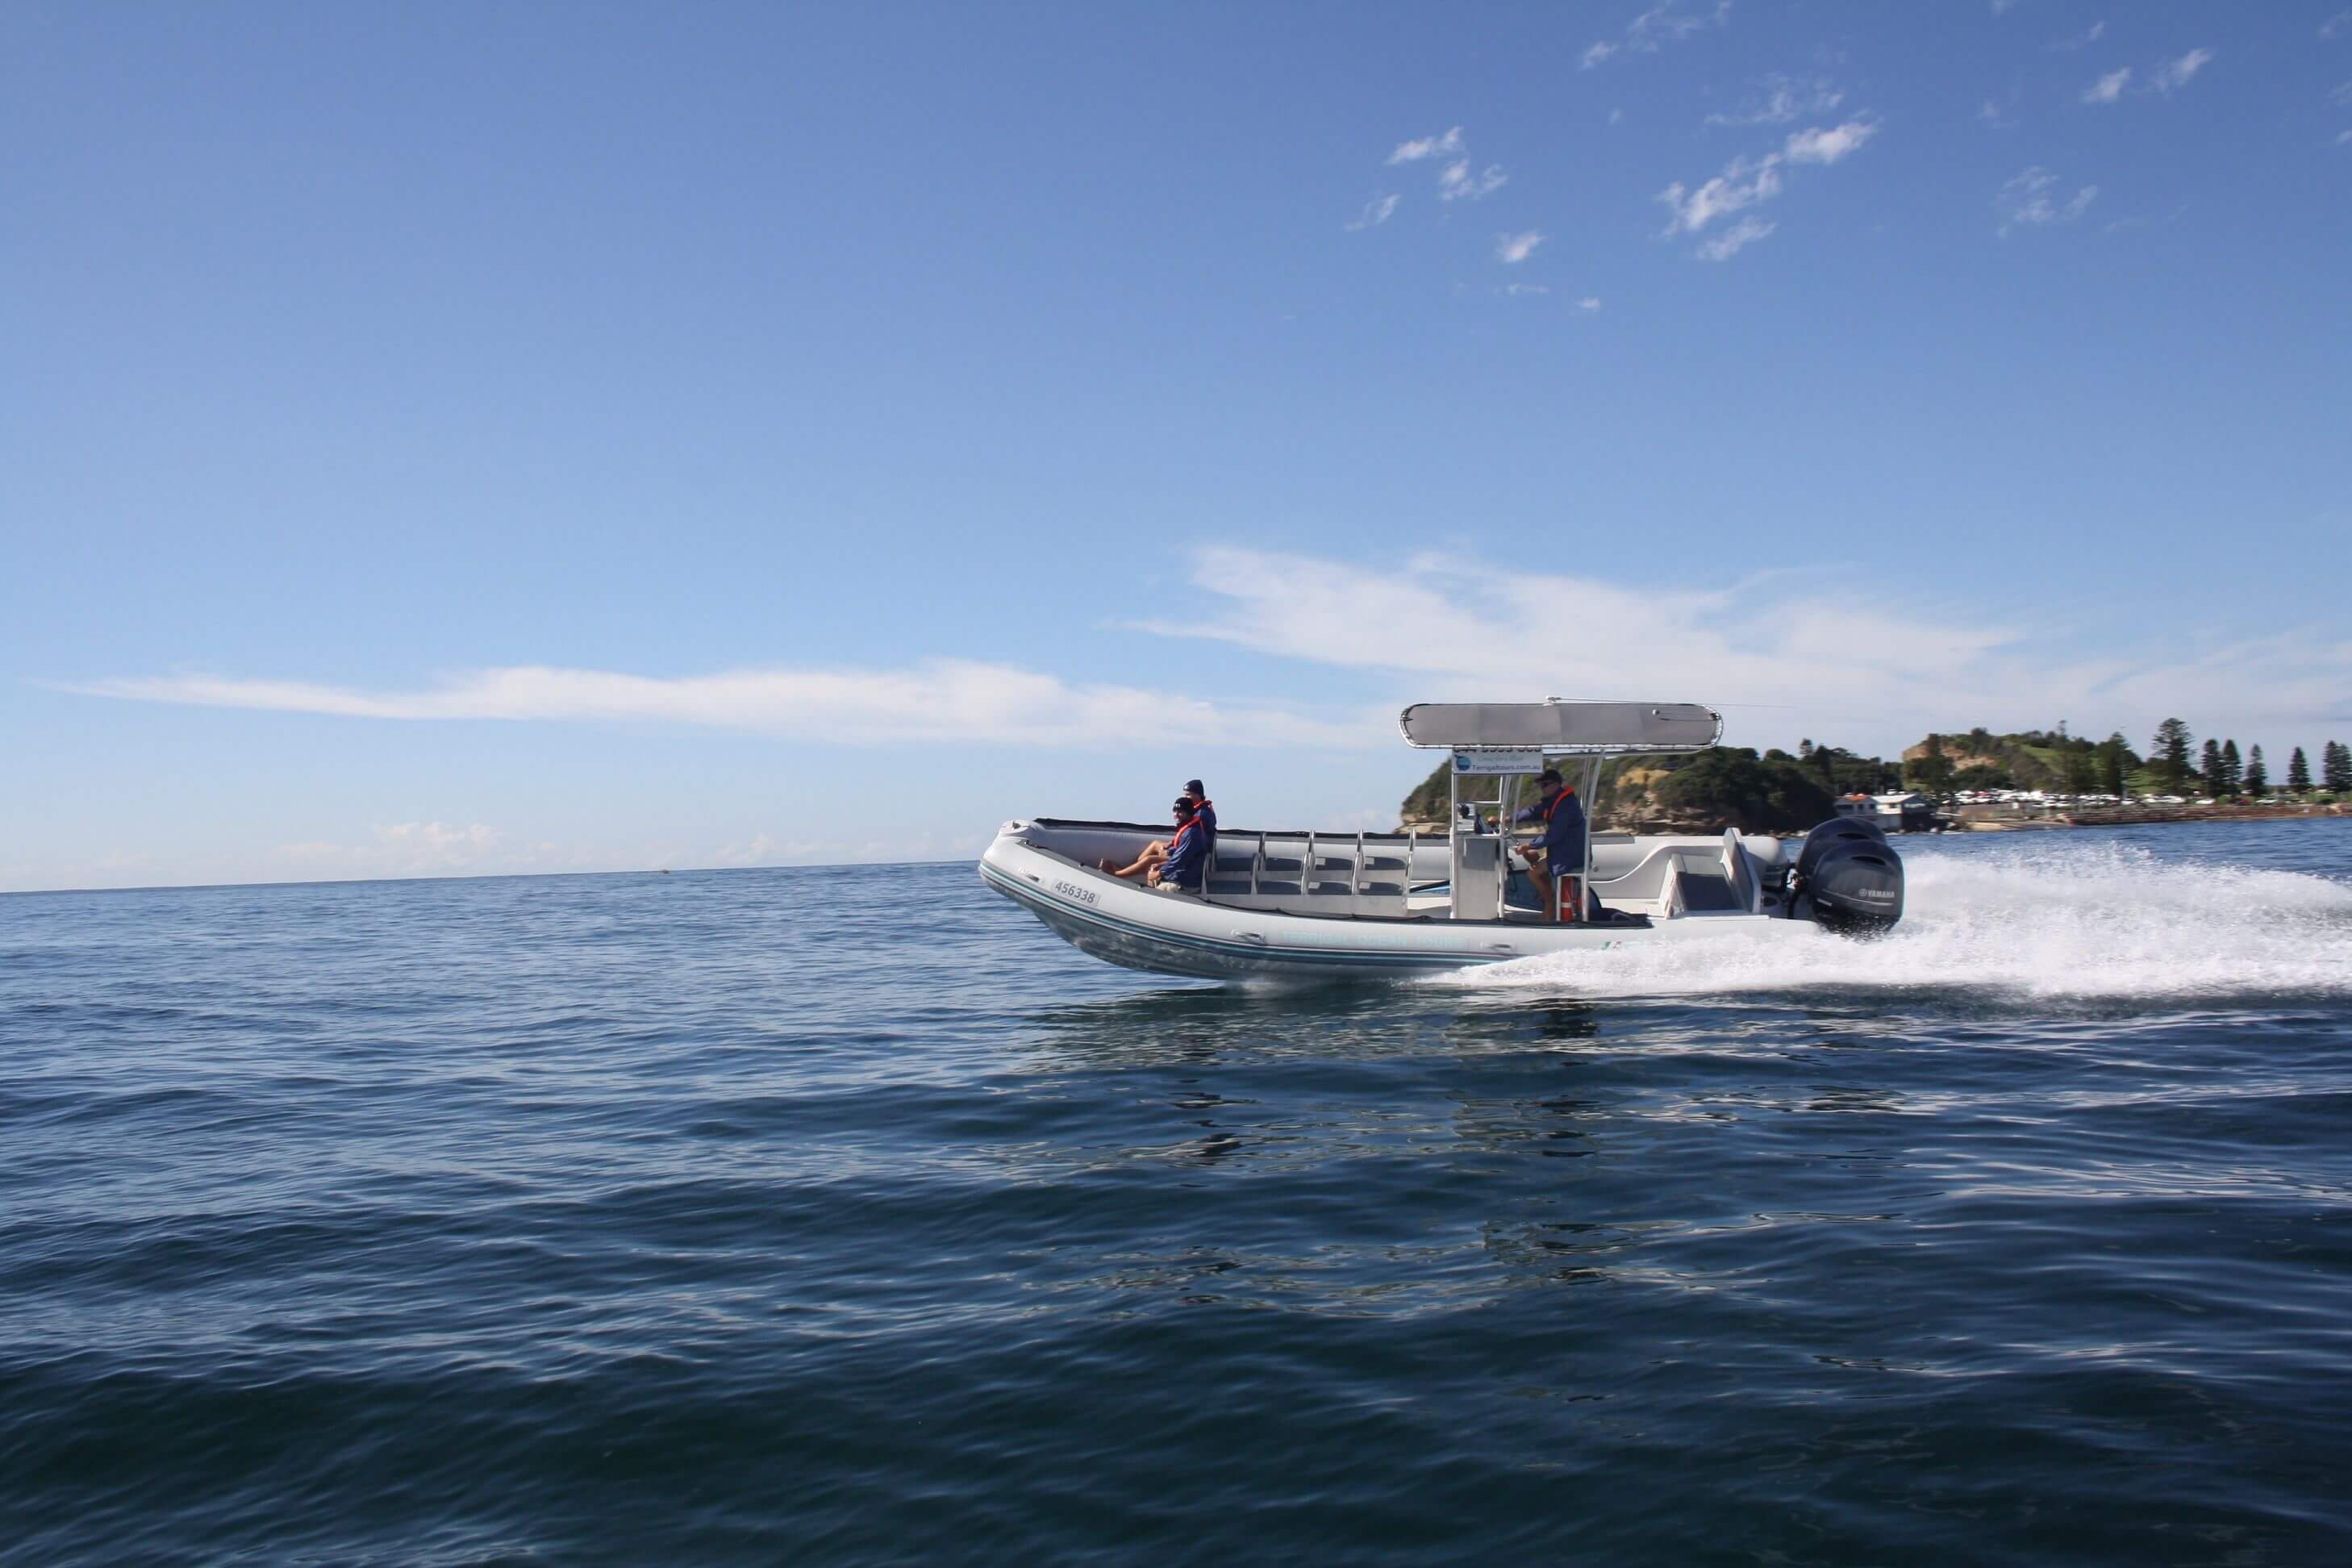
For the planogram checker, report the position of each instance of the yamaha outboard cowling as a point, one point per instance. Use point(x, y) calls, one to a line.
point(1848, 878)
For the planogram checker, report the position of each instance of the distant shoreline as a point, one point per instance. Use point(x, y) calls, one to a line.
point(2142, 815)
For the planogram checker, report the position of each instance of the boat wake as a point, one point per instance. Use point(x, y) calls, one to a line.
point(2093, 921)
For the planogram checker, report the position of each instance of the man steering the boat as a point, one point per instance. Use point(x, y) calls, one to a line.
point(1560, 851)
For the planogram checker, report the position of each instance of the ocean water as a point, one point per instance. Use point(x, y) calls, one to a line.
point(848, 1216)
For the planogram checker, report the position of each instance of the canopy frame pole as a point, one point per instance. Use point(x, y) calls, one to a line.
point(1506, 810)
point(1584, 876)
point(1453, 848)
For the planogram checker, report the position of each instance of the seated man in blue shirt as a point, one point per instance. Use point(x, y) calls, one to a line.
point(1560, 851)
point(1188, 852)
point(1204, 811)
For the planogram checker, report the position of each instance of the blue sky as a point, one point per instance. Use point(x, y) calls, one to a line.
point(479, 439)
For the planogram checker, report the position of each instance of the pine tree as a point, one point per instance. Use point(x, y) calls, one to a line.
point(2115, 762)
point(2169, 755)
point(2080, 774)
point(2209, 766)
point(2335, 768)
point(2298, 773)
point(2231, 774)
point(2258, 777)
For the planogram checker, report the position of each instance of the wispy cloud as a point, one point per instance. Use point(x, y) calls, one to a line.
point(1766, 642)
point(2164, 77)
point(1589, 302)
point(1667, 22)
point(2030, 200)
point(2337, 26)
point(1781, 101)
point(1742, 184)
point(1428, 147)
point(942, 700)
point(1999, 113)
point(1527, 289)
point(1377, 211)
point(1456, 181)
point(2082, 40)
point(1748, 182)
point(1735, 239)
point(1829, 145)
point(2108, 88)
point(1513, 249)
point(2176, 74)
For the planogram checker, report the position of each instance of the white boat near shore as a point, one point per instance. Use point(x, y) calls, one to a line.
point(1309, 903)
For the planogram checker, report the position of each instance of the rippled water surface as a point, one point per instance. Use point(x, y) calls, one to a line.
point(846, 1214)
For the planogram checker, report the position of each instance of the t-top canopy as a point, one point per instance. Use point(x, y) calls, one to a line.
point(1557, 726)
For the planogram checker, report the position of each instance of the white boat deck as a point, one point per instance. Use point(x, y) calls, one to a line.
point(1405, 876)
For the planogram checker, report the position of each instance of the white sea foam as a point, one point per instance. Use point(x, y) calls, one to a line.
point(2089, 921)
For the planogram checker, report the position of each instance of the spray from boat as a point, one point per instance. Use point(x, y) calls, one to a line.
point(2090, 922)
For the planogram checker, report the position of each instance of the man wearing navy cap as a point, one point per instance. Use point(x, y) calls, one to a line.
point(1204, 813)
point(1561, 850)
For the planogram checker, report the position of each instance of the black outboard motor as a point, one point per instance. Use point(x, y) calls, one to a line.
point(1848, 878)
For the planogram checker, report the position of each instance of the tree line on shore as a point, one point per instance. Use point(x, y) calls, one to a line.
point(1775, 791)
point(2079, 766)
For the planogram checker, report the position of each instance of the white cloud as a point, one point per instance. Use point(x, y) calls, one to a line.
point(1735, 239)
point(1376, 211)
point(1667, 22)
point(1770, 642)
point(942, 700)
point(1519, 289)
point(1782, 101)
point(2108, 88)
point(2334, 25)
point(1428, 147)
point(2177, 73)
point(1741, 185)
point(2343, 138)
point(2030, 200)
point(1746, 182)
point(1999, 114)
point(1830, 146)
point(1513, 249)
point(1455, 180)
point(2083, 40)
point(1589, 302)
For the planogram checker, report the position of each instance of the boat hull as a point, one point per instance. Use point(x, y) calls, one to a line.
point(1170, 933)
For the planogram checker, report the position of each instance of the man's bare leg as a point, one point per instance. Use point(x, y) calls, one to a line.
point(1153, 854)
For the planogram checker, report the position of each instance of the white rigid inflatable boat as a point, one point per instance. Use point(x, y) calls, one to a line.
point(1304, 903)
